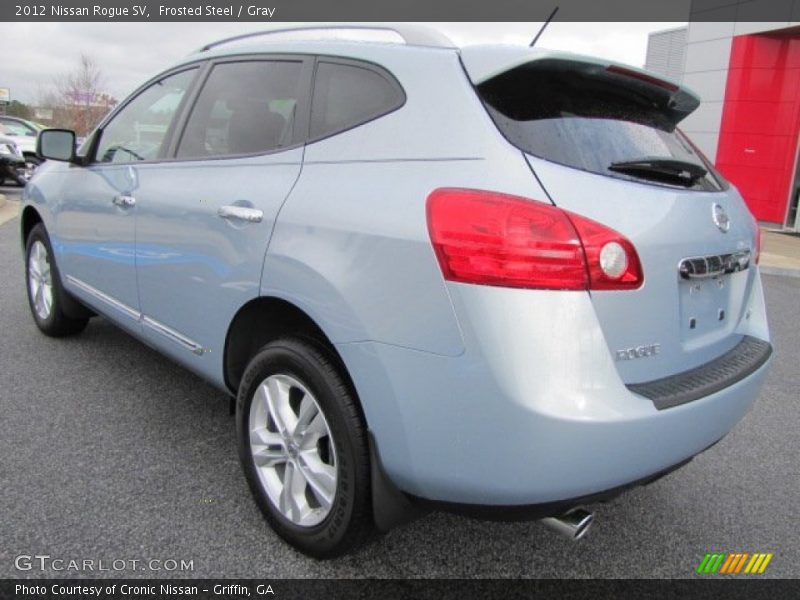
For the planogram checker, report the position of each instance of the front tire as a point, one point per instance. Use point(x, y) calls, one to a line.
point(303, 447)
point(45, 294)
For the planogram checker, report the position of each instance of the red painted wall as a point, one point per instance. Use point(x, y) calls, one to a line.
point(761, 120)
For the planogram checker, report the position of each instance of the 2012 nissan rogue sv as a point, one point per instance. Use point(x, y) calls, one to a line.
point(497, 280)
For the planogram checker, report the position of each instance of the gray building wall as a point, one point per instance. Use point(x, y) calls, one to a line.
point(697, 56)
point(708, 53)
point(666, 52)
point(706, 58)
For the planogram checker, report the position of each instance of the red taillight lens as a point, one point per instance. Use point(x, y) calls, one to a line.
point(611, 259)
point(495, 239)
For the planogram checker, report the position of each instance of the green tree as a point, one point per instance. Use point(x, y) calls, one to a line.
point(18, 109)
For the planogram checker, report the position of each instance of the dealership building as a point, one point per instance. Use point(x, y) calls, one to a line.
point(748, 77)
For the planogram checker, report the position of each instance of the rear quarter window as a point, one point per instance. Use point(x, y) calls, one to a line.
point(348, 94)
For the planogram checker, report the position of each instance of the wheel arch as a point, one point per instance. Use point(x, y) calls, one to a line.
point(262, 320)
point(28, 220)
point(71, 306)
point(267, 318)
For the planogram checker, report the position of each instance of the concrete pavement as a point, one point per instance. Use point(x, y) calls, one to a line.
point(780, 253)
point(9, 202)
point(8, 209)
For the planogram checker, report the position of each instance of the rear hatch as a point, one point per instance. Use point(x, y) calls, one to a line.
point(603, 141)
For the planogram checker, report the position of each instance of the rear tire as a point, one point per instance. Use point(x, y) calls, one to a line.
point(303, 448)
point(46, 297)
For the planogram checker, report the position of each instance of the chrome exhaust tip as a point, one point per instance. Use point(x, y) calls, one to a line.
point(574, 523)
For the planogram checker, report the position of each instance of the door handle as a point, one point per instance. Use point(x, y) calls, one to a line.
point(124, 201)
point(240, 213)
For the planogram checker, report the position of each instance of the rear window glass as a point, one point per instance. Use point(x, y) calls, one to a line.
point(587, 120)
point(347, 95)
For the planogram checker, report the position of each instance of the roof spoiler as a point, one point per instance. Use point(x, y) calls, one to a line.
point(485, 63)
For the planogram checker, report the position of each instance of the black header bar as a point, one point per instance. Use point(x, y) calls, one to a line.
point(398, 10)
point(706, 587)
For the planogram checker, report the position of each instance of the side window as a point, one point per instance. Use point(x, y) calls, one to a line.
point(244, 108)
point(138, 131)
point(347, 95)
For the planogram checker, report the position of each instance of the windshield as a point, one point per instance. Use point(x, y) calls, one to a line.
point(584, 120)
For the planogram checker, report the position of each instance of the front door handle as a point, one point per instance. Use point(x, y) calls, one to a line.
point(240, 213)
point(124, 201)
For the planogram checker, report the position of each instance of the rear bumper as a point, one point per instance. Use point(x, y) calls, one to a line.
point(534, 412)
point(532, 512)
point(743, 360)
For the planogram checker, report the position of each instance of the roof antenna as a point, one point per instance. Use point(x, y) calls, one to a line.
point(546, 23)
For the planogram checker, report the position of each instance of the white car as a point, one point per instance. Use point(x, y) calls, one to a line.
point(24, 136)
point(12, 163)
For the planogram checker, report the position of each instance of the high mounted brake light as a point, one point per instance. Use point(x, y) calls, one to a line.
point(671, 87)
point(489, 238)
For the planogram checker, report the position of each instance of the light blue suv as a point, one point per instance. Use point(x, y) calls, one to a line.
point(495, 280)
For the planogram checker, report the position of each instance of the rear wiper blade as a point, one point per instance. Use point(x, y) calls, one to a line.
point(682, 171)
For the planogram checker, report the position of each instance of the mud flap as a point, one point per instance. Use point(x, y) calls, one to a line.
point(390, 507)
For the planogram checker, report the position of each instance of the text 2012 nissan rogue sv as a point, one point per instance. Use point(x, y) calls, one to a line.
point(497, 280)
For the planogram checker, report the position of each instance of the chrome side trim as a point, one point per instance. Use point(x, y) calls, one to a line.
point(173, 335)
point(154, 325)
point(92, 291)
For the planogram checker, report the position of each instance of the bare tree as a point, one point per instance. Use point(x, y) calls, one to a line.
point(79, 100)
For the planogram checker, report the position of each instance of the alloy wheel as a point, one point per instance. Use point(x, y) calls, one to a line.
point(293, 451)
point(40, 280)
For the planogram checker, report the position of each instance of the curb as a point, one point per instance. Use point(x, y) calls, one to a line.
point(780, 271)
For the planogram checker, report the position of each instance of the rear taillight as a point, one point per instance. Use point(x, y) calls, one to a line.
point(490, 238)
point(611, 259)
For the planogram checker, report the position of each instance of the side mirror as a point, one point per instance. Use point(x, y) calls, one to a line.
point(56, 144)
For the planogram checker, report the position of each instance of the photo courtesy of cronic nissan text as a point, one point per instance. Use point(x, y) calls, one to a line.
point(302, 299)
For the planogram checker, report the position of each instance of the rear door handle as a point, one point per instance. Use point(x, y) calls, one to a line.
point(124, 201)
point(240, 213)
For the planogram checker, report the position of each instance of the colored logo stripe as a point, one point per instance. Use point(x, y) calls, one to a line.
point(734, 563)
point(758, 563)
point(723, 563)
point(710, 563)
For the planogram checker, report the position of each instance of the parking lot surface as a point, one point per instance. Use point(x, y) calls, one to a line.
point(11, 189)
point(111, 452)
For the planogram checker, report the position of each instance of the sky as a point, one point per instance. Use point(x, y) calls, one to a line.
point(130, 53)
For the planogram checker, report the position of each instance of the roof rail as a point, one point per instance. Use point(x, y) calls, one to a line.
point(411, 33)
